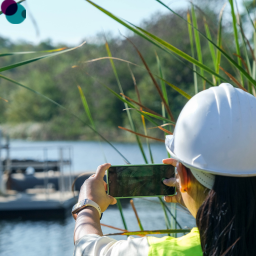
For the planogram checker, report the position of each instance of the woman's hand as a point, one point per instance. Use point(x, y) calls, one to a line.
point(173, 182)
point(94, 188)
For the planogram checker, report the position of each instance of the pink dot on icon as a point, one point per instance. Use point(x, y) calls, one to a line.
point(9, 7)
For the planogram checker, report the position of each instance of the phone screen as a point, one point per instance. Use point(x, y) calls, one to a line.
point(139, 180)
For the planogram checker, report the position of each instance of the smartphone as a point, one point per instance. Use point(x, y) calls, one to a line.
point(129, 181)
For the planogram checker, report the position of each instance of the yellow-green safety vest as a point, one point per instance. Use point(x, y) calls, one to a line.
point(188, 245)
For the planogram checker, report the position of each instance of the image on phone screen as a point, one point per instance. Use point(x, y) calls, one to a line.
point(139, 180)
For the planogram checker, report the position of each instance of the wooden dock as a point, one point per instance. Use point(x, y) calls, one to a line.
point(36, 204)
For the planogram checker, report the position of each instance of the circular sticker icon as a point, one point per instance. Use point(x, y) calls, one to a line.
point(15, 13)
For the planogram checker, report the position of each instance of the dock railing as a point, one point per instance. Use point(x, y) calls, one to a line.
point(61, 165)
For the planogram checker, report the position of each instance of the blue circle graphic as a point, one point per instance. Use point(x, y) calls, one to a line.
point(19, 16)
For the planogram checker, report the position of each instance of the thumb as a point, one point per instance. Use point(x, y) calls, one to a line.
point(172, 182)
point(112, 200)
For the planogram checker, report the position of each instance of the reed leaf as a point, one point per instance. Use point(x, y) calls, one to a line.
point(192, 51)
point(236, 37)
point(219, 40)
point(108, 226)
point(150, 232)
point(68, 111)
point(216, 46)
point(132, 28)
point(121, 213)
point(163, 87)
point(86, 107)
point(167, 221)
point(142, 117)
point(154, 81)
point(136, 215)
point(31, 52)
point(145, 114)
point(141, 106)
point(3, 99)
point(184, 94)
point(125, 104)
point(197, 39)
point(208, 34)
point(37, 58)
point(234, 79)
point(139, 134)
point(155, 116)
point(244, 63)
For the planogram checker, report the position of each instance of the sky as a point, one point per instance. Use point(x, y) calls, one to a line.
point(70, 22)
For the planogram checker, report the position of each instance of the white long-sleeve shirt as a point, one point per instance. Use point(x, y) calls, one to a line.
point(95, 245)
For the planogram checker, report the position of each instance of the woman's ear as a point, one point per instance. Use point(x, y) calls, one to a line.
point(184, 179)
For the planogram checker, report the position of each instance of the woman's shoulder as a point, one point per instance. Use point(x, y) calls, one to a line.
point(188, 244)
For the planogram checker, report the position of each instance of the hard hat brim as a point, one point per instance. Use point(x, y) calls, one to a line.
point(203, 177)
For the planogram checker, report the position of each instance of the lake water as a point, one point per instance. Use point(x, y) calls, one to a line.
point(45, 238)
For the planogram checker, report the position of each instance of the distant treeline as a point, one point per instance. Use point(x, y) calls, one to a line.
point(28, 115)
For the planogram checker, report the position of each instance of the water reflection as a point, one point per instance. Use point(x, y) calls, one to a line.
point(44, 238)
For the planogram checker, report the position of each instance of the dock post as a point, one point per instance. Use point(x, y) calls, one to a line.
point(8, 159)
point(46, 173)
point(2, 185)
point(61, 181)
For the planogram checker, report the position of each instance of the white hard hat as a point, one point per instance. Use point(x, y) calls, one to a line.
point(215, 134)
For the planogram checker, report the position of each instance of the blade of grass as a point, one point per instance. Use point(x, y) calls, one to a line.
point(37, 58)
point(164, 130)
point(125, 104)
point(139, 134)
point(68, 111)
point(173, 86)
point(236, 37)
point(167, 221)
point(3, 99)
point(108, 226)
point(161, 125)
point(145, 114)
point(208, 34)
point(142, 117)
point(154, 81)
point(123, 230)
point(192, 51)
point(140, 105)
point(88, 113)
point(86, 107)
point(163, 87)
point(226, 55)
point(243, 61)
point(197, 39)
point(136, 215)
point(157, 117)
point(166, 98)
point(31, 52)
point(219, 40)
point(121, 213)
point(233, 79)
point(150, 232)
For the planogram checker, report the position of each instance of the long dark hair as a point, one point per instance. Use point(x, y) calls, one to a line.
point(227, 218)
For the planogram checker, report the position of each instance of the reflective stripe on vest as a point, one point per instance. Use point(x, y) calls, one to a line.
point(170, 246)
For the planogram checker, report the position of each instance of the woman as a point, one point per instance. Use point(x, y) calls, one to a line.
point(213, 150)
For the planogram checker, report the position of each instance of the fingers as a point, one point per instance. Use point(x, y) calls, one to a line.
point(112, 200)
point(105, 186)
point(93, 175)
point(101, 170)
point(170, 199)
point(172, 182)
point(171, 161)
